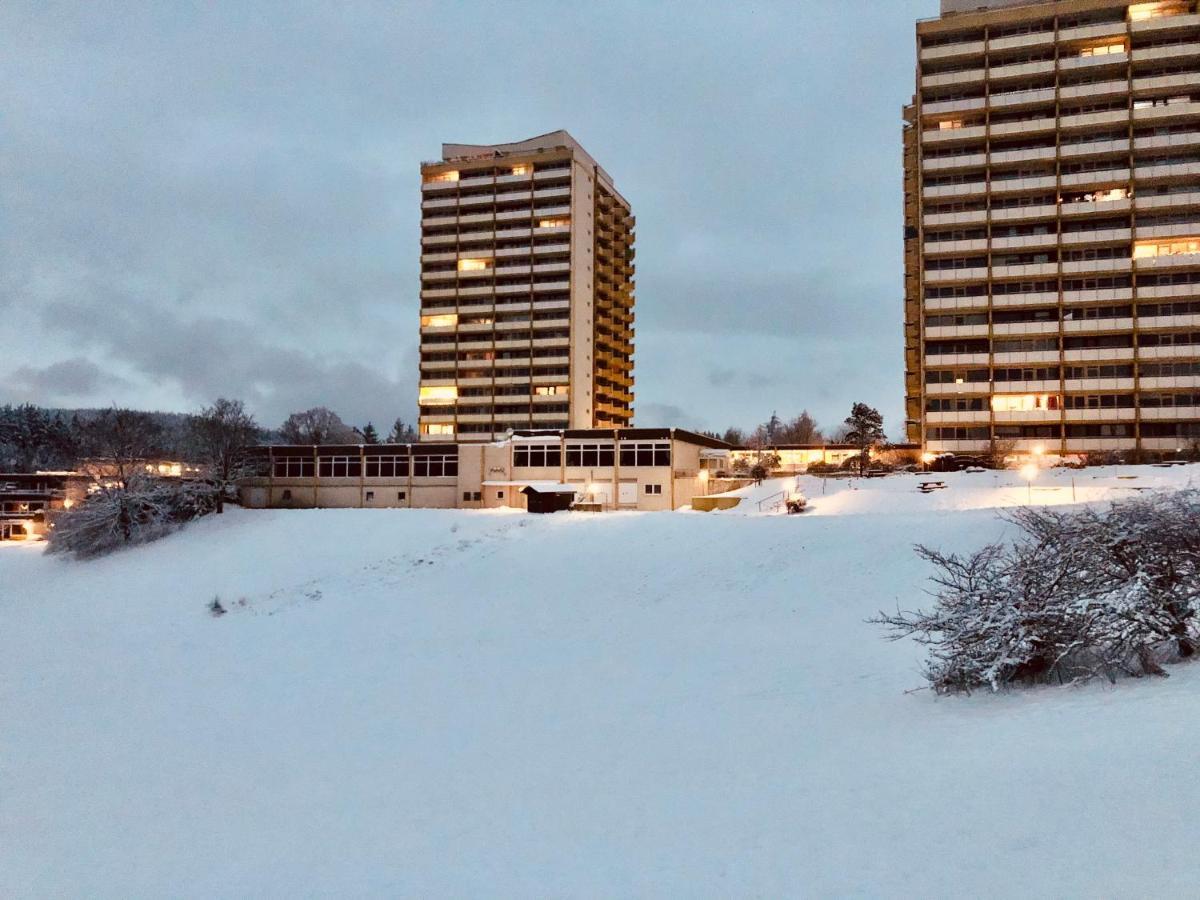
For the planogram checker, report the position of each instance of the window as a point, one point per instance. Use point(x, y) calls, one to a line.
point(435, 466)
point(441, 176)
point(293, 467)
point(370, 495)
point(561, 222)
point(437, 428)
point(387, 466)
point(657, 453)
point(400, 495)
point(439, 321)
point(654, 489)
point(474, 265)
point(499, 495)
point(1186, 246)
point(552, 390)
point(533, 455)
point(590, 453)
point(287, 495)
point(520, 170)
point(339, 466)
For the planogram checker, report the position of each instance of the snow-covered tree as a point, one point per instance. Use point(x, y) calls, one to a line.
point(1081, 593)
point(317, 426)
point(219, 437)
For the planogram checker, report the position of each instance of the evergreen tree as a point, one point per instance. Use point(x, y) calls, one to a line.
point(864, 429)
point(369, 434)
point(401, 433)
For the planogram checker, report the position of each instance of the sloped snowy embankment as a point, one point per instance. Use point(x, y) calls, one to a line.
point(486, 704)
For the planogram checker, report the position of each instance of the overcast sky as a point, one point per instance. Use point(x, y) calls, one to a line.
point(205, 199)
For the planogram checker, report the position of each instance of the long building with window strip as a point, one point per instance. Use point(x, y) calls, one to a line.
point(1052, 227)
point(608, 469)
point(526, 291)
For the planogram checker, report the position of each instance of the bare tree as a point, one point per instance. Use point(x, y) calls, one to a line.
point(116, 443)
point(317, 426)
point(220, 437)
point(801, 430)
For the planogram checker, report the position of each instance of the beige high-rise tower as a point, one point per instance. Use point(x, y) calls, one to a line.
point(1052, 228)
point(526, 291)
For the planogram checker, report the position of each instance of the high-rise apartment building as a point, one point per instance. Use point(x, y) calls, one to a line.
point(526, 291)
point(1052, 227)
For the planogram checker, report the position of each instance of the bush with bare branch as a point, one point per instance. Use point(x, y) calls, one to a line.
point(1080, 593)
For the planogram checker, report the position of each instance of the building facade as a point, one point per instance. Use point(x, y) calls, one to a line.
point(28, 502)
point(608, 469)
point(526, 292)
point(1052, 228)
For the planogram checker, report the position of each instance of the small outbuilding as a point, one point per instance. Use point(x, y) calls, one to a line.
point(548, 498)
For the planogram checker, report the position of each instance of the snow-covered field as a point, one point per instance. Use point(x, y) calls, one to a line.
point(468, 704)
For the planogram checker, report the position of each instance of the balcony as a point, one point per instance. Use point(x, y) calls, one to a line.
point(1007, 329)
point(943, 79)
point(1182, 229)
point(1170, 413)
point(1052, 386)
point(1025, 357)
point(1164, 24)
point(1092, 326)
point(970, 217)
point(1029, 270)
point(1100, 178)
point(1177, 351)
point(1171, 170)
point(1095, 90)
point(1167, 201)
point(966, 189)
point(1013, 99)
point(953, 135)
point(1092, 32)
point(1158, 323)
point(1177, 261)
point(1042, 125)
point(942, 248)
point(1099, 354)
point(1096, 236)
point(981, 416)
point(948, 163)
point(1020, 156)
point(1084, 266)
point(1095, 119)
point(1094, 444)
point(956, 446)
point(1021, 185)
point(1022, 70)
point(958, 359)
point(1095, 207)
point(953, 331)
point(1094, 148)
point(1078, 63)
point(1168, 141)
point(965, 388)
point(1102, 295)
point(940, 276)
point(1162, 291)
point(1025, 242)
point(1181, 81)
point(1171, 111)
point(1024, 213)
point(935, 304)
point(1171, 51)
point(1074, 385)
point(1040, 298)
point(952, 51)
point(1169, 382)
point(1028, 415)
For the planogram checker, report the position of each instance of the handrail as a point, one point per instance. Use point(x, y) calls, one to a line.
point(779, 499)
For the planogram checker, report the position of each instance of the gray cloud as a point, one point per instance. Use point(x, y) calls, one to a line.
point(222, 198)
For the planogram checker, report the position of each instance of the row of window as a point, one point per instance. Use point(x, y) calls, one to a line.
point(593, 454)
point(433, 466)
point(1186, 430)
point(1052, 402)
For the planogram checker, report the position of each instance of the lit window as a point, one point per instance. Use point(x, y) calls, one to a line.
point(441, 176)
point(1024, 402)
point(949, 124)
point(474, 265)
point(1103, 49)
point(562, 222)
point(1141, 11)
point(520, 170)
point(551, 390)
point(1146, 249)
point(439, 395)
point(437, 429)
point(442, 321)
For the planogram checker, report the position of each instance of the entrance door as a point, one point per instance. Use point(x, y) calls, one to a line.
point(627, 494)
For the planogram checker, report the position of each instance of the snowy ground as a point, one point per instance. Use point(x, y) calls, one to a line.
point(465, 704)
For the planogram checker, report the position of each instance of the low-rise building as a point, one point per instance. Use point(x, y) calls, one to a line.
point(28, 501)
point(610, 468)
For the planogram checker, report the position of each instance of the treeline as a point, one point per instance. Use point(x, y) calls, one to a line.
point(802, 429)
point(34, 438)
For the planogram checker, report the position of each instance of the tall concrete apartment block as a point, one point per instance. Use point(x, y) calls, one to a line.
point(526, 291)
point(1052, 227)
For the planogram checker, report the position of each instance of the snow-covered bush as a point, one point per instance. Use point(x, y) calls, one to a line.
point(142, 509)
point(1081, 593)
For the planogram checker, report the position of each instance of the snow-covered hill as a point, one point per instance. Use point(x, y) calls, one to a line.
point(457, 704)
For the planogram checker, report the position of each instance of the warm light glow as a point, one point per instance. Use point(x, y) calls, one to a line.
point(441, 176)
point(1141, 11)
point(520, 170)
point(68, 503)
point(1029, 471)
point(442, 321)
point(437, 429)
point(1103, 49)
point(1022, 402)
point(1039, 450)
point(1179, 247)
point(552, 390)
point(474, 265)
point(950, 124)
point(927, 458)
point(439, 395)
point(554, 223)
